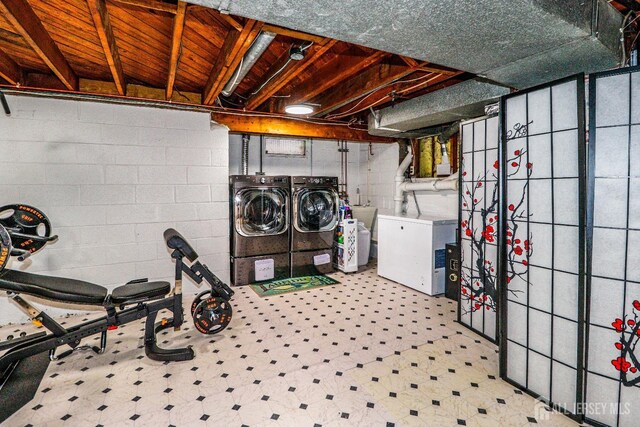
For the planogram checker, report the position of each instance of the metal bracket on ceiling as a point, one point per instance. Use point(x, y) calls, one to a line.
point(5, 104)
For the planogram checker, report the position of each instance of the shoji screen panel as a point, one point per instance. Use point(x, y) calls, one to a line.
point(613, 367)
point(542, 231)
point(479, 226)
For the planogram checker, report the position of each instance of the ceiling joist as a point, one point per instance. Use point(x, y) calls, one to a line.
point(364, 83)
point(288, 74)
point(334, 72)
point(299, 35)
point(235, 46)
point(98, 9)
point(9, 70)
point(158, 5)
point(176, 45)
point(20, 14)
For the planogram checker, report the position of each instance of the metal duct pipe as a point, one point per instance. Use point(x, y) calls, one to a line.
point(254, 53)
point(245, 154)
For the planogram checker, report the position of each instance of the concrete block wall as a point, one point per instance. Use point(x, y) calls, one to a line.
point(112, 178)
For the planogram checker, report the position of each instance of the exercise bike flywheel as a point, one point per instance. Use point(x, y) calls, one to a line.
point(212, 315)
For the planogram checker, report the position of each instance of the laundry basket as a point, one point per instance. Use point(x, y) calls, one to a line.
point(364, 244)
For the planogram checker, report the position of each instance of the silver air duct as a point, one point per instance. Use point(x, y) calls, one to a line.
point(254, 53)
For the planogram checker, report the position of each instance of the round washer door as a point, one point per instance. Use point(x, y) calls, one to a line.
point(317, 210)
point(261, 212)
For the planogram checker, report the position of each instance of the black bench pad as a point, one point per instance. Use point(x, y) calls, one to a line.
point(77, 291)
point(138, 291)
point(52, 288)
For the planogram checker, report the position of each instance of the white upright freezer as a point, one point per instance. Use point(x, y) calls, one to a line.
point(411, 250)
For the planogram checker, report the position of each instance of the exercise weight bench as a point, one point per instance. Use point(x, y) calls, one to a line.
point(131, 302)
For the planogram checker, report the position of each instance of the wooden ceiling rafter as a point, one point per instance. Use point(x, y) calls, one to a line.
point(176, 46)
point(396, 91)
point(235, 46)
point(366, 82)
point(100, 14)
point(9, 69)
point(288, 74)
point(156, 5)
point(299, 35)
point(231, 21)
point(20, 14)
point(334, 72)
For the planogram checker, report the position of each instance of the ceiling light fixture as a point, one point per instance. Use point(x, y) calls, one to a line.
point(296, 53)
point(299, 109)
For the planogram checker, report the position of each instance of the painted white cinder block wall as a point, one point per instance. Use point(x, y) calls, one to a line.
point(112, 178)
point(322, 159)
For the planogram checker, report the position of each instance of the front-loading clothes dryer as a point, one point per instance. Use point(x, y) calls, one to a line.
point(260, 231)
point(315, 215)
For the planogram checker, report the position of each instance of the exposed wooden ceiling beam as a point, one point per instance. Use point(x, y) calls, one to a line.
point(410, 61)
point(176, 44)
point(360, 85)
point(397, 91)
point(253, 123)
point(27, 23)
point(235, 46)
point(427, 66)
point(151, 4)
point(98, 9)
point(231, 21)
point(338, 69)
point(299, 35)
point(289, 73)
point(9, 69)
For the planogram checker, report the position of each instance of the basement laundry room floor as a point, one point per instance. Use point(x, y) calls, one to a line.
point(365, 352)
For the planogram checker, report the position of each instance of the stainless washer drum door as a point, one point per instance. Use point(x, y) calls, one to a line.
point(317, 210)
point(261, 212)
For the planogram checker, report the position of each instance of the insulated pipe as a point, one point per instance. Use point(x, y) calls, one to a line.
point(254, 53)
point(398, 196)
point(245, 154)
point(433, 184)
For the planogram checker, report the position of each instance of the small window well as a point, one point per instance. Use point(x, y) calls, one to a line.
point(289, 147)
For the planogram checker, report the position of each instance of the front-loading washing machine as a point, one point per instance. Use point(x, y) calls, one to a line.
point(260, 231)
point(315, 216)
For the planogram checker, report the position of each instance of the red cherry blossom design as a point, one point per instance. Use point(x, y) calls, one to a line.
point(517, 152)
point(490, 219)
point(490, 229)
point(479, 185)
point(631, 322)
point(634, 370)
point(518, 250)
point(512, 207)
point(517, 241)
point(529, 165)
point(515, 164)
point(524, 262)
point(464, 173)
point(468, 232)
point(508, 241)
point(464, 291)
point(509, 233)
point(526, 245)
point(496, 165)
point(475, 200)
point(636, 305)
point(464, 204)
point(479, 305)
point(621, 364)
point(508, 279)
point(619, 325)
point(619, 345)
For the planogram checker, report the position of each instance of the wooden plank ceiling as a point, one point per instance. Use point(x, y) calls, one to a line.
point(187, 53)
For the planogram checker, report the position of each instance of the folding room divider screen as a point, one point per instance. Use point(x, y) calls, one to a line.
point(542, 176)
point(479, 226)
point(613, 282)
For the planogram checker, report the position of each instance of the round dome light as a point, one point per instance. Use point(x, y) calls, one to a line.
point(299, 109)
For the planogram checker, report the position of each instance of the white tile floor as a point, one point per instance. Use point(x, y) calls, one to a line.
point(365, 352)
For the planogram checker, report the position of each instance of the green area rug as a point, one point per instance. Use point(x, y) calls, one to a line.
point(294, 284)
